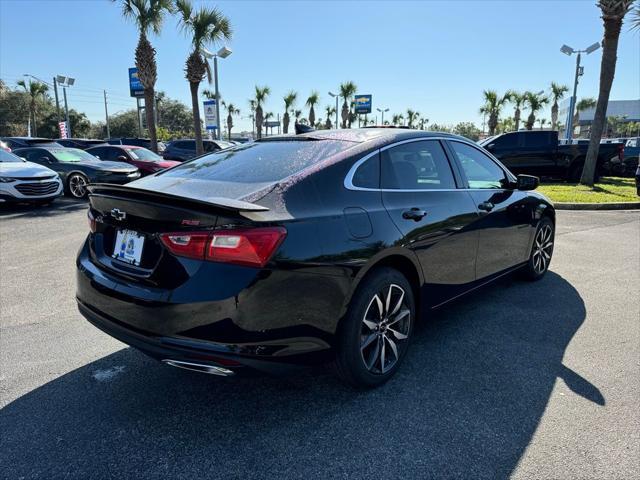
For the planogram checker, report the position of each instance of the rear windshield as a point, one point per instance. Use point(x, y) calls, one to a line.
point(258, 164)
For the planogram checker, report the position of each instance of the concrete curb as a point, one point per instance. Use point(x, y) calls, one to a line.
point(597, 206)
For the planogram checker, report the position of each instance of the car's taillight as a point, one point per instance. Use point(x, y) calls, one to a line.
point(251, 247)
point(188, 244)
point(92, 221)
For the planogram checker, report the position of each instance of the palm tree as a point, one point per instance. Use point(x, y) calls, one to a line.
point(493, 104)
point(541, 122)
point(231, 110)
point(204, 26)
point(34, 90)
point(517, 99)
point(313, 100)
point(581, 106)
point(297, 114)
point(535, 102)
point(347, 90)
point(148, 16)
point(289, 100)
point(267, 116)
point(557, 92)
point(613, 13)
point(252, 107)
point(412, 116)
point(397, 119)
point(331, 110)
point(261, 96)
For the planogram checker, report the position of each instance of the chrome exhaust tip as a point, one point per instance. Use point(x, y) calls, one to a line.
point(198, 367)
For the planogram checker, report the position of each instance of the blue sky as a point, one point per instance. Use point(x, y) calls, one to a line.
point(432, 56)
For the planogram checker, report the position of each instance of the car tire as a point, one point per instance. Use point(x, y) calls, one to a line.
point(541, 251)
point(77, 185)
point(374, 335)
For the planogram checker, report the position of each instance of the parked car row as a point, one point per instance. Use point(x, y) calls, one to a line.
point(37, 170)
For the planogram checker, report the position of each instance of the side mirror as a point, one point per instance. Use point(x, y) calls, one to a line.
point(490, 146)
point(527, 182)
point(23, 159)
point(46, 159)
point(121, 158)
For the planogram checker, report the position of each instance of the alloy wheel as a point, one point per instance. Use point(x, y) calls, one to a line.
point(78, 186)
point(542, 249)
point(385, 327)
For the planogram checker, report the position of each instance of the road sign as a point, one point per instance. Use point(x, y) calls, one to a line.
point(362, 103)
point(272, 123)
point(63, 129)
point(135, 86)
point(210, 116)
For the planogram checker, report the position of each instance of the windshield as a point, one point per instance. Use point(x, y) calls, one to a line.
point(251, 166)
point(144, 154)
point(70, 155)
point(6, 157)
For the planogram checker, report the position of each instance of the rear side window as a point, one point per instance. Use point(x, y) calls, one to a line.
point(416, 166)
point(367, 175)
point(248, 167)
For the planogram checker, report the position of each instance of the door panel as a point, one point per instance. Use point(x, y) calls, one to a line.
point(420, 195)
point(504, 222)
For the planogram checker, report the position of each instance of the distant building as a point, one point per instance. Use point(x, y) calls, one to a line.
point(629, 110)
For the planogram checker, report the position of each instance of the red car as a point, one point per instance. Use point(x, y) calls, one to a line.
point(146, 161)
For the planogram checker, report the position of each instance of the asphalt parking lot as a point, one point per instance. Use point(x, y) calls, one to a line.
point(526, 380)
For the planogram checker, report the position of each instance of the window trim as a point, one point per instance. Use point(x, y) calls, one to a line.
point(451, 158)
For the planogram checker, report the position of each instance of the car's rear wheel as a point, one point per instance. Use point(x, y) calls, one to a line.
point(77, 185)
point(374, 336)
point(541, 251)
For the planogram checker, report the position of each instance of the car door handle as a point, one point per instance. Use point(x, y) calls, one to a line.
point(486, 206)
point(414, 214)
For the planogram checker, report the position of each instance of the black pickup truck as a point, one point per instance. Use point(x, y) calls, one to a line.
point(538, 152)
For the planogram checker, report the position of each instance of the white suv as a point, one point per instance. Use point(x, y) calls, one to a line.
point(22, 181)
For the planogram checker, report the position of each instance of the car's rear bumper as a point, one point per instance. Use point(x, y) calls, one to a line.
point(197, 352)
point(220, 319)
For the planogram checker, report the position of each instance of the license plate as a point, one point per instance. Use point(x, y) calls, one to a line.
point(128, 247)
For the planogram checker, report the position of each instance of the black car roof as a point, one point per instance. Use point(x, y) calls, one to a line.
point(361, 135)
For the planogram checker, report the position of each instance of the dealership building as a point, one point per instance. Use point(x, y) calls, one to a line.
point(627, 110)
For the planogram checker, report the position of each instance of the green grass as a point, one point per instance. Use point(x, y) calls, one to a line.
point(609, 189)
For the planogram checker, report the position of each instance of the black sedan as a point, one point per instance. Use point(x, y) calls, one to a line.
point(77, 168)
point(297, 250)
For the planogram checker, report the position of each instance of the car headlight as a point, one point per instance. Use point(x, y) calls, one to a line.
point(7, 179)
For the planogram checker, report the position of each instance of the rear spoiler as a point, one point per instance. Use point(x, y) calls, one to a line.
point(230, 204)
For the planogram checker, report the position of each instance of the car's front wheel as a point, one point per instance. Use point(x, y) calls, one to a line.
point(77, 185)
point(374, 336)
point(541, 251)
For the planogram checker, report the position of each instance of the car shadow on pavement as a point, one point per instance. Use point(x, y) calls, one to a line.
point(59, 206)
point(465, 404)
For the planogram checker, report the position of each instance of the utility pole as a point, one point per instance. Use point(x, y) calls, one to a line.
point(55, 89)
point(106, 114)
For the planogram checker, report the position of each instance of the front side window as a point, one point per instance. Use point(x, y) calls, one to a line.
point(419, 165)
point(480, 170)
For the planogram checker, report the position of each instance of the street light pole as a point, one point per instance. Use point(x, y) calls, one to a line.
point(337, 97)
point(215, 76)
point(55, 89)
point(382, 112)
point(66, 111)
point(579, 71)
